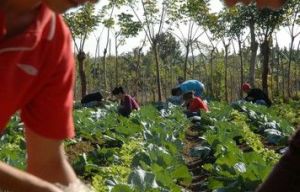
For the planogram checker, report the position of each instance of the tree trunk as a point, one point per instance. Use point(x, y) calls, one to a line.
point(241, 65)
point(226, 68)
point(206, 72)
point(172, 73)
point(187, 47)
point(272, 66)
point(231, 86)
point(193, 62)
point(289, 68)
point(153, 95)
point(298, 74)
point(283, 77)
point(116, 63)
point(277, 71)
point(104, 58)
point(164, 82)
point(104, 69)
point(211, 86)
point(143, 97)
point(81, 57)
point(154, 47)
point(138, 69)
point(265, 50)
point(200, 73)
point(170, 77)
point(254, 48)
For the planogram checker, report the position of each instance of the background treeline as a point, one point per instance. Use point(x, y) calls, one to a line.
point(185, 38)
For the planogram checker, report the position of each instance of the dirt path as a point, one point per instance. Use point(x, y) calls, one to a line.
point(200, 176)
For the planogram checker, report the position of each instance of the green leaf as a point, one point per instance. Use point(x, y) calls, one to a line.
point(121, 188)
point(140, 157)
point(182, 172)
point(142, 180)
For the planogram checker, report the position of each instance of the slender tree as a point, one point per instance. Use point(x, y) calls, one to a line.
point(153, 21)
point(268, 21)
point(82, 22)
point(292, 24)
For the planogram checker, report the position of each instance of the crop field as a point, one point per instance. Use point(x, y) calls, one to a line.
point(232, 148)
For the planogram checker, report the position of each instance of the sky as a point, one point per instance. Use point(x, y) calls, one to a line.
point(216, 5)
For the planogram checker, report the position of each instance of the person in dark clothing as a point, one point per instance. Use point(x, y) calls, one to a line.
point(175, 99)
point(127, 103)
point(255, 95)
point(180, 80)
point(92, 99)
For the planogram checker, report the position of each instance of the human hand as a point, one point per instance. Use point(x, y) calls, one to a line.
point(271, 4)
point(76, 186)
point(52, 188)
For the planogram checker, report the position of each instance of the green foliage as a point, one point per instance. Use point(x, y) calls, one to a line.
point(169, 48)
point(12, 144)
point(242, 160)
point(83, 21)
point(144, 152)
point(108, 23)
point(151, 145)
point(128, 26)
point(288, 112)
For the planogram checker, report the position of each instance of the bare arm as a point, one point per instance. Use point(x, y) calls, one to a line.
point(13, 179)
point(47, 159)
point(46, 165)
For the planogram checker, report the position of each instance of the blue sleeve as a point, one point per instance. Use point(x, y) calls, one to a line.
point(192, 85)
point(199, 89)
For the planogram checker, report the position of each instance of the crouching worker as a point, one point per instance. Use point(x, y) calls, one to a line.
point(194, 104)
point(175, 99)
point(127, 103)
point(255, 95)
point(92, 99)
point(189, 85)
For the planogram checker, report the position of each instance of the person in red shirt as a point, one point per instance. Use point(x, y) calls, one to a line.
point(127, 103)
point(37, 76)
point(193, 103)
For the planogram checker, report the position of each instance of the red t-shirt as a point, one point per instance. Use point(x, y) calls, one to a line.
point(196, 104)
point(37, 75)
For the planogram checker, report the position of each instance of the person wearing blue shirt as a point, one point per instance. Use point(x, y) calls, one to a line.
point(189, 85)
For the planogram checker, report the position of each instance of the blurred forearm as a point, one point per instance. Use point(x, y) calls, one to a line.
point(12, 179)
point(47, 160)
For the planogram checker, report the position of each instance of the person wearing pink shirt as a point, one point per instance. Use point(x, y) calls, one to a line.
point(127, 103)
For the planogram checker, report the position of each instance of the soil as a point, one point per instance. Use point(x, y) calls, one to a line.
point(194, 164)
point(74, 150)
